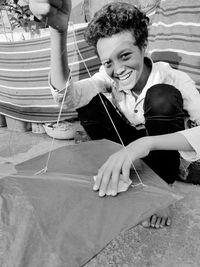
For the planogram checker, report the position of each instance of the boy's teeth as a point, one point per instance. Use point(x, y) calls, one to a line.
point(124, 77)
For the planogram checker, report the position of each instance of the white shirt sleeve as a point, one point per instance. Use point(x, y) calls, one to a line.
point(191, 96)
point(79, 93)
point(193, 137)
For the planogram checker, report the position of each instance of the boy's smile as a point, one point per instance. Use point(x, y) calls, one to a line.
point(122, 59)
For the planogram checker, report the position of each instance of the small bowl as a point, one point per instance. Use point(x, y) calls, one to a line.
point(64, 130)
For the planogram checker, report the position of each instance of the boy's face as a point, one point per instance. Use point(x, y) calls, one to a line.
point(122, 59)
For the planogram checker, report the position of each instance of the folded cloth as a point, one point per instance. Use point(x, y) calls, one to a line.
point(122, 185)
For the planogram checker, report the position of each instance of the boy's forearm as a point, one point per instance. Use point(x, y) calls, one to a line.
point(59, 63)
point(174, 141)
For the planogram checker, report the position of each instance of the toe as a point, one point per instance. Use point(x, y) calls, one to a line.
point(168, 221)
point(153, 220)
point(158, 222)
point(146, 223)
point(163, 222)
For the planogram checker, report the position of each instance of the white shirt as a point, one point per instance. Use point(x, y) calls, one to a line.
point(81, 92)
point(193, 137)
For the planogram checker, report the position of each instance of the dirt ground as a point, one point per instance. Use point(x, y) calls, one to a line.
point(178, 245)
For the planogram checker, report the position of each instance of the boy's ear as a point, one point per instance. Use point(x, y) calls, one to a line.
point(145, 44)
point(143, 49)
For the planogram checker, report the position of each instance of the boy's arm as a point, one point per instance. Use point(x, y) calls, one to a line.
point(59, 63)
point(190, 94)
point(121, 162)
point(56, 14)
point(174, 141)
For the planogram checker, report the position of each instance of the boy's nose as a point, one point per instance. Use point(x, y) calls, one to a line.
point(119, 69)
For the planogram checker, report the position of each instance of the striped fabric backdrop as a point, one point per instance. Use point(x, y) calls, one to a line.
point(24, 68)
point(174, 37)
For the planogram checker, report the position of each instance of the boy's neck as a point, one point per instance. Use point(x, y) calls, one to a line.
point(143, 79)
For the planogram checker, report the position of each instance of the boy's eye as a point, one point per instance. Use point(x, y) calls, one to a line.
point(107, 64)
point(125, 56)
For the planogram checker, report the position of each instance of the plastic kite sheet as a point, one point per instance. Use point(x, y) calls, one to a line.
point(56, 219)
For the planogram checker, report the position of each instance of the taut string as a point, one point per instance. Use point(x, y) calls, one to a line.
point(58, 119)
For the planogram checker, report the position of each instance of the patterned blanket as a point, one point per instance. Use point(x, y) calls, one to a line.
point(174, 35)
point(24, 66)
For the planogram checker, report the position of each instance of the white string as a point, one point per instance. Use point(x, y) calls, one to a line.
point(57, 124)
point(82, 59)
point(11, 139)
point(44, 170)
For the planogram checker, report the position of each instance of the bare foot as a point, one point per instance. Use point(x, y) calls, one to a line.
point(160, 219)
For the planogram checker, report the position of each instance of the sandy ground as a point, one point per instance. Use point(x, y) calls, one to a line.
point(178, 245)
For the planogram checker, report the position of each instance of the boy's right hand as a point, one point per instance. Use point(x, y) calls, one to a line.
point(120, 163)
point(55, 13)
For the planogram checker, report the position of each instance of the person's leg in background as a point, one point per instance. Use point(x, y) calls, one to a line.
point(97, 123)
point(164, 113)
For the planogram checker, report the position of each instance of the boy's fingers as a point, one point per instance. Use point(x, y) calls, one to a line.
point(44, 7)
point(115, 180)
point(97, 182)
point(63, 5)
point(104, 184)
point(109, 189)
point(35, 2)
point(56, 3)
point(39, 9)
point(126, 173)
point(103, 179)
point(95, 187)
point(38, 17)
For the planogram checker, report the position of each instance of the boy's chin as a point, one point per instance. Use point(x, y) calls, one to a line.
point(126, 86)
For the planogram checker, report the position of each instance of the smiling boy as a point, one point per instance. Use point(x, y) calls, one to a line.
point(147, 98)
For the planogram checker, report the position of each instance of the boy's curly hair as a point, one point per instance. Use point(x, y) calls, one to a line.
point(118, 17)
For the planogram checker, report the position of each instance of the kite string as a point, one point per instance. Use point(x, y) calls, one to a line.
point(57, 124)
point(59, 115)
